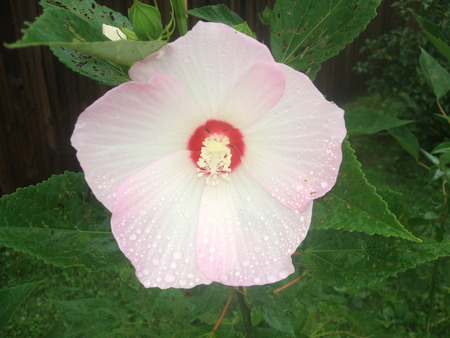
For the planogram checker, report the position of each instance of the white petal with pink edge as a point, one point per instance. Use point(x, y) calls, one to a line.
point(208, 60)
point(244, 236)
point(256, 91)
point(155, 220)
point(294, 150)
point(131, 126)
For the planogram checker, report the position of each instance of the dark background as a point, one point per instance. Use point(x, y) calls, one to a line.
point(40, 99)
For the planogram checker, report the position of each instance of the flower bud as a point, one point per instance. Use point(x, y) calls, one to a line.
point(265, 16)
point(146, 20)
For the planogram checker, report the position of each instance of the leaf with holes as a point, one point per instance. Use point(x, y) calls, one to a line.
point(82, 37)
point(342, 258)
point(217, 13)
point(354, 205)
point(306, 33)
point(61, 222)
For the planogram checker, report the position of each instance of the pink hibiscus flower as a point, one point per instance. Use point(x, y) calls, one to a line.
point(209, 160)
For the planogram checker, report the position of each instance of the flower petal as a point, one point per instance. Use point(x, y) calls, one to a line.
point(255, 92)
point(244, 236)
point(294, 150)
point(131, 126)
point(154, 222)
point(208, 60)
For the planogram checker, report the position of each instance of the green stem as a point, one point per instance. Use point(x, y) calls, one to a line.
point(180, 8)
point(246, 314)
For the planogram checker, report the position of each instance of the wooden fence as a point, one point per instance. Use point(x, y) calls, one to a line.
point(40, 99)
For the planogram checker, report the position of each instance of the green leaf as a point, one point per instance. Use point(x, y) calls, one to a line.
point(11, 298)
point(341, 258)
point(77, 35)
point(91, 67)
point(61, 222)
point(306, 33)
point(244, 28)
point(433, 159)
point(407, 140)
point(435, 35)
point(437, 76)
point(354, 205)
point(273, 308)
point(217, 13)
point(91, 12)
point(91, 317)
point(443, 147)
point(368, 121)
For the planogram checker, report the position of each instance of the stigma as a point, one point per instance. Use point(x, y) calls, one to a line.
point(215, 159)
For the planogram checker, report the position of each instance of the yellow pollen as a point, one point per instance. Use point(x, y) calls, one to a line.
point(215, 159)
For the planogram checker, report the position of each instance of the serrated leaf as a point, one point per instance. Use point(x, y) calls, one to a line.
point(61, 222)
point(437, 76)
point(88, 10)
point(306, 33)
point(407, 140)
point(11, 298)
point(354, 205)
point(368, 121)
point(433, 33)
point(355, 259)
point(77, 35)
point(217, 13)
point(273, 309)
point(95, 317)
point(91, 67)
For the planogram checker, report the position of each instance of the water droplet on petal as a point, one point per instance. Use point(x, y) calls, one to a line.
point(256, 280)
point(155, 261)
point(283, 273)
point(245, 263)
point(257, 249)
point(271, 278)
point(169, 278)
point(132, 237)
point(145, 272)
point(176, 255)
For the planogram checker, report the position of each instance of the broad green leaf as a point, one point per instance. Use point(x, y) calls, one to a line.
point(244, 28)
point(96, 15)
point(435, 35)
point(11, 298)
point(407, 140)
point(91, 12)
point(368, 121)
point(99, 70)
point(91, 317)
point(354, 205)
point(273, 309)
point(61, 222)
point(341, 258)
point(437, 76)
point(83, 37)
point(305, 33)
point(217, 13)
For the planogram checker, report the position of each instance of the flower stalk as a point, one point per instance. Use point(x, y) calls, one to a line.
point(180, 9)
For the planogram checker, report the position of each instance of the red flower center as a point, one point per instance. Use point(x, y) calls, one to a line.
point(216, 149)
